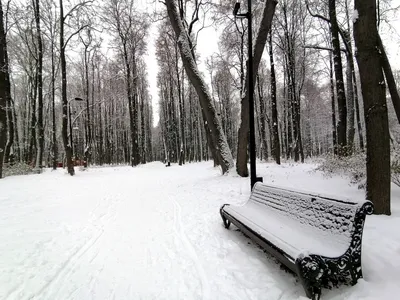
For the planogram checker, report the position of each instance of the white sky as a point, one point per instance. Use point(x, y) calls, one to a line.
point(208, 44)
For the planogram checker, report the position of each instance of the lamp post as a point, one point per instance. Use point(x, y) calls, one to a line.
point(70, 122)
point(252, 138)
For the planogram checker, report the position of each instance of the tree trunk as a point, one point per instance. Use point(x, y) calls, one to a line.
point(149, 149)
point(332, 85)
point(88, 135)
point(67, 145)
point(276, 148)
point(100, 126)
point(3, 90)
point(224, 155)
point(142, 126)
point(181, 110)
point(130, 98)
point(17, 147)
point(391, 83)
point(40, 128)
point(358, 118)
point(350, 105)
point(261, 39)
point(53, 102)
point(135, 114)
point(341, 97)
point(33, 120)
point(375, 109)
point(10, 110)
point(351, 82)
point(262, 118)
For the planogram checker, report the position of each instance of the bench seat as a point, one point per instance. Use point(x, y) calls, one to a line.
point(318, 237)
point(287, 234)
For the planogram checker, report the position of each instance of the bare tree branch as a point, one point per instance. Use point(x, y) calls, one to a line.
point(77, 6)
point(75, 33)
point(316, 15)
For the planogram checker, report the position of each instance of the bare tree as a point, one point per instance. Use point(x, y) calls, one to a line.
point(40, 131)
point(130, 28)
point(260, 42)
point(338, 68)
point(218, 145)
point(390, 81)
point(375, 110)
point(10, 102)
point(63, 45)
point(276, 148)
point(3, 90)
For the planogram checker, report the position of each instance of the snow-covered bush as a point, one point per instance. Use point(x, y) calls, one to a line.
point(17, 169)
point(395, 168)
point(352, 167)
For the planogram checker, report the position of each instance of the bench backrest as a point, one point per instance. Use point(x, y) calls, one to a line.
point(327, 214)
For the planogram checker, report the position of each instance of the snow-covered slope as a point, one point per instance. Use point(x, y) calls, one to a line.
point(155, 233)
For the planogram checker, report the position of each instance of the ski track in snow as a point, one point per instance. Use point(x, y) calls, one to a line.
point(65, 271)
point(180, 232)
point(155, 233)
point(68, 267)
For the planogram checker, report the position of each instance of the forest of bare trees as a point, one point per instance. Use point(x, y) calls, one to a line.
point(75, 84)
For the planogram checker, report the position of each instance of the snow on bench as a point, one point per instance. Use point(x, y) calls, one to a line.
point(315, 236)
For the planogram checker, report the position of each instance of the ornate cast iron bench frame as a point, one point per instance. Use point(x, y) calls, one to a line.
point(314, 270)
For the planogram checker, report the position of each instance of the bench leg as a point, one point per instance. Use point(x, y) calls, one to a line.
point(227, 223)
point(312, 289)
point(316, 293)
point(310, 275)
point(355, 269)
point(355, 273)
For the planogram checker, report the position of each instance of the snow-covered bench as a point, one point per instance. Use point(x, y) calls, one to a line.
point(317, 237)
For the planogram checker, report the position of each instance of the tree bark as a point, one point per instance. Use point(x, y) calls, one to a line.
point(332, 85)
point(53, 102)
point(135, 112)
point(391, 83)
point(142, 125)
point(40, 128)
point(67, 145)
point(88, 135)
point(130, 97)
point(182, 152)
point(3, 90)
point(262, 118)
point(223, 153)
point(350, 104)
point(33, 120)
point(375, 109)
point(341, 97)
point(276, 148)
point(10, 110)
point(358, 118)
point(351, 82)
point(261, 39)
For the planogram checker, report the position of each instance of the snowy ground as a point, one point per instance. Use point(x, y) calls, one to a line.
point(155, 233)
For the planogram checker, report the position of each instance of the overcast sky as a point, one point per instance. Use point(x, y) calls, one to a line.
point(208, 44)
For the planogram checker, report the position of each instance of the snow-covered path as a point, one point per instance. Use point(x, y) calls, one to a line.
point(138, 233)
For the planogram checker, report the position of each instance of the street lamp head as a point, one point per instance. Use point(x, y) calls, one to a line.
point(236, 8)
point(78, 99)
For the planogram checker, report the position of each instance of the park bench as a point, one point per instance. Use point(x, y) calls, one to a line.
point(316, 237)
